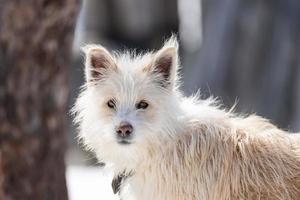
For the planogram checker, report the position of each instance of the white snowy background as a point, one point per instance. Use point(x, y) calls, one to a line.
point(92, 183)
point(86, 182)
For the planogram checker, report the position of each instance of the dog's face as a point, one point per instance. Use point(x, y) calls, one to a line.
point(126, 104)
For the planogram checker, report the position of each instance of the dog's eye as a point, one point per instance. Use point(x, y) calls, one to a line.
point(111, 104)
point(142, 105)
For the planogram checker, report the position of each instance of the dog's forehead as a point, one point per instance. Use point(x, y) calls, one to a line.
point(130, 81)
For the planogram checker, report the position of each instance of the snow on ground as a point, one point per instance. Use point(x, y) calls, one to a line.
point(89, 183)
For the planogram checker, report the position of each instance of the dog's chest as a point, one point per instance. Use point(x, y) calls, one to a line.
point(153, 186)
point(135, 188)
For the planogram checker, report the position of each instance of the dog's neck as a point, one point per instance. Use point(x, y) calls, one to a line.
point(178, 118)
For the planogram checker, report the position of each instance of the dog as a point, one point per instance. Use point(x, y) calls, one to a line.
point(162, 145)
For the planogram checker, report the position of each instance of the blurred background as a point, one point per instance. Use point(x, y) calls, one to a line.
point(244, 51)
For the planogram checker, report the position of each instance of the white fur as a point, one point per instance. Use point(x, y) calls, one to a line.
point(182, 148)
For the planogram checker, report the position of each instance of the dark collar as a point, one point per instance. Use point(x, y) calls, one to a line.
point(119, 180)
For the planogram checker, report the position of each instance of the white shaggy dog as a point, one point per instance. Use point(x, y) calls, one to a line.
point(163, 146)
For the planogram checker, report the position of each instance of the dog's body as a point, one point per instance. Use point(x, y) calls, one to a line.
point(132, 115)
point(225, 158)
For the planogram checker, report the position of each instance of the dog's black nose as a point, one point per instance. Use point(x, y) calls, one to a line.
point(124, 130)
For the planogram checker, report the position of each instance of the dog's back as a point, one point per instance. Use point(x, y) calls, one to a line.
point(230, 158)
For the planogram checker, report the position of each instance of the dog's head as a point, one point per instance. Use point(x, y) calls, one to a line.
point(129, 101)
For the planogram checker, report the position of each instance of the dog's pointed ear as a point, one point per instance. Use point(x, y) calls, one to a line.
point(98, 61)
point(165, 63)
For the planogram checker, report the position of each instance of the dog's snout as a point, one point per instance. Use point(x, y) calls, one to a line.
point(124, 129)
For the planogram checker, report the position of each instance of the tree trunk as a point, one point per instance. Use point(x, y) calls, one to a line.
point(35, 41)
point(1, 178)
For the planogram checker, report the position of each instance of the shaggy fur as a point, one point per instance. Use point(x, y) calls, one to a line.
point(181, 148)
